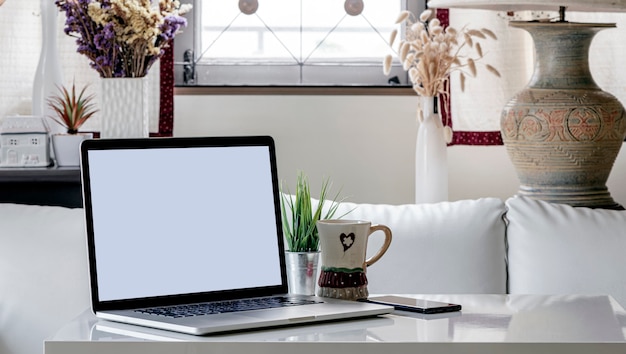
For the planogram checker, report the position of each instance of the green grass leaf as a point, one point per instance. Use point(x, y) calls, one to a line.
point(299, 218)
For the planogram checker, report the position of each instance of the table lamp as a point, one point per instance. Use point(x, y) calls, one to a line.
point(562, 132)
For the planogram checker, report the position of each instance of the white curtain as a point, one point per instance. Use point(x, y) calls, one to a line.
point(478, 108)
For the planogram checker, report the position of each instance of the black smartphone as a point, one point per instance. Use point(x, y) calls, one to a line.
point(415, 305)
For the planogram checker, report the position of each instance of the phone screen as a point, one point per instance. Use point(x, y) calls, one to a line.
point(415, 305)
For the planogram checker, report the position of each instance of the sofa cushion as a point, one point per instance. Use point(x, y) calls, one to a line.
point(43, 274)
point(559, 249)
point(448, 247)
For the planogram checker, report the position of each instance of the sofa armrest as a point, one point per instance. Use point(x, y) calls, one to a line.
point(43, 274)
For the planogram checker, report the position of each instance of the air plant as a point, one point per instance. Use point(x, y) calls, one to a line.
point(72, 110)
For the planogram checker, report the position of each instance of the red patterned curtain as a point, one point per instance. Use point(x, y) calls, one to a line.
point(166, 106)
point(465, 137)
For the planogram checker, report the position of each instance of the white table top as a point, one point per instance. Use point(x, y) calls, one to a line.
point(572, 321)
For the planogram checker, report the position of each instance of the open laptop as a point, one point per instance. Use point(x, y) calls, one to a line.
point(175, 225)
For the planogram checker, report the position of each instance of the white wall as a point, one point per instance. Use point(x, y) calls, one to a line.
point(365, 144)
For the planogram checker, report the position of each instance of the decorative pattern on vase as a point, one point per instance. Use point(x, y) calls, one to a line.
point(563, 132)
point(431, 159)
point(124, 108)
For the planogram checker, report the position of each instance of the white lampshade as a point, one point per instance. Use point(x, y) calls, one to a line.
point(537, 5)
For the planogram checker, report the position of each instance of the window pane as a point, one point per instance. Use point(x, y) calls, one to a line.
point(291, 42)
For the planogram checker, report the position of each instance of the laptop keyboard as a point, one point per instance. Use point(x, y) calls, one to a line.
point(225, 306)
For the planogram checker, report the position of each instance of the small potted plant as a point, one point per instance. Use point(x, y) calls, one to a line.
point(72, 111)
point(299, 218)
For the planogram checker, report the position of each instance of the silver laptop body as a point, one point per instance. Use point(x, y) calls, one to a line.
point(177, 222)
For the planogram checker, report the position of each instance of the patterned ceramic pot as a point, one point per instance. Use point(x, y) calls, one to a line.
point(562, 131)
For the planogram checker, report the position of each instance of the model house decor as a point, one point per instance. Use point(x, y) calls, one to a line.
point(122, 40)
point(71, 111)
point(431, 53)
point(24, 142)
point(562, 131)
point(299, 216)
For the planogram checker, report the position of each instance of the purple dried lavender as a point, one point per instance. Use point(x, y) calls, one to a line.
point(110, 56)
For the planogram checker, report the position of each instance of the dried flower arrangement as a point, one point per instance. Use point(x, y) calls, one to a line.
point(431, 53)
point(72, 110)
point(122, 38)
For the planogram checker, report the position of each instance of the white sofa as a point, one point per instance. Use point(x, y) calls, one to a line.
point(471, 246)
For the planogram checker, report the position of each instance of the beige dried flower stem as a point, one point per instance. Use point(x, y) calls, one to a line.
point(431, 53)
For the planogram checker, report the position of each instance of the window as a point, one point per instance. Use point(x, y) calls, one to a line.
point(288, 42)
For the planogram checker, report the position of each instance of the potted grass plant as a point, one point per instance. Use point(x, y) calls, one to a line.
point(71, 110)
point(299, 216)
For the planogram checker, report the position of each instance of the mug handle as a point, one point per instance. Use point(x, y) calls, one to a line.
point(385, 245)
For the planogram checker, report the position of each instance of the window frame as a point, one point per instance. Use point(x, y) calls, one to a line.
point(189, 38)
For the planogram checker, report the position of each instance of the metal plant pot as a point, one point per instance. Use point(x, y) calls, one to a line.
point(302, 270)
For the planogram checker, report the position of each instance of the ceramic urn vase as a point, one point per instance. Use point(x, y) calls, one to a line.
point(562, 131)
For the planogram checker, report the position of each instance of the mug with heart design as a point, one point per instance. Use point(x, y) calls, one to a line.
point(343, 249)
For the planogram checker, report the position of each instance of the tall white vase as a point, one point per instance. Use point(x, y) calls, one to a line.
point(48, 74)
point(431, 157)
point(124, 108)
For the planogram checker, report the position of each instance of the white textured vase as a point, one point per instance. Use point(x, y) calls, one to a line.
point(48, 74)
point(431, 159)
point(124, 108)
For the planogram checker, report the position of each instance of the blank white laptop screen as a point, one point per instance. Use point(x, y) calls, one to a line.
point(170, 221)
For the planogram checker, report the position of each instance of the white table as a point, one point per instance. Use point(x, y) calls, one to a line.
point(487, 324)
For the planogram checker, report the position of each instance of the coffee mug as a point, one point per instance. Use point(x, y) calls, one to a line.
point(343, 249)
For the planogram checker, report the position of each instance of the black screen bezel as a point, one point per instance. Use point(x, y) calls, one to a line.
point(152, 143)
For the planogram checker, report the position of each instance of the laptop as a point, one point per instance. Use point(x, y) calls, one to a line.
point(183, 233)
point(357, 330)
